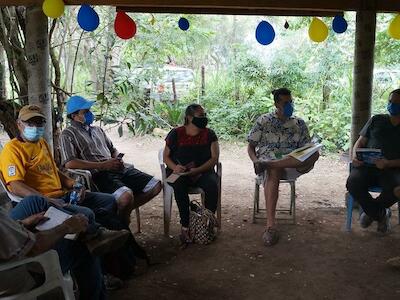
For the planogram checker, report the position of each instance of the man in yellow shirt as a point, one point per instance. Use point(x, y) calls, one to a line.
point(28, 168)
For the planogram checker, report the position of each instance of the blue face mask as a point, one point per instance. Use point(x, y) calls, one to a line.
point(33, 134)
point(393, 108)
point(288, 109)
point(89, 118)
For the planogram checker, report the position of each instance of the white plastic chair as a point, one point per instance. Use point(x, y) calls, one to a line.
point(291, 210)
point(168, 193)
point(10, 195)
point(87, 175)
point(53, 277)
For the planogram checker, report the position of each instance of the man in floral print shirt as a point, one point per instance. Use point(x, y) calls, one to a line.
point(275, 135)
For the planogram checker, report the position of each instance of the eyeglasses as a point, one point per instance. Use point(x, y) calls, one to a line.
point(31, 123)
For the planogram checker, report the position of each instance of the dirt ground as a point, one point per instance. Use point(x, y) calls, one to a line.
point(315, 258)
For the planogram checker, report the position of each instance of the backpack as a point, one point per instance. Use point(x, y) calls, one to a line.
point(202, 224)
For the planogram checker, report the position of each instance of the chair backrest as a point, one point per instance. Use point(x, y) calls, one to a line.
point(162, 165)
point(10, 195)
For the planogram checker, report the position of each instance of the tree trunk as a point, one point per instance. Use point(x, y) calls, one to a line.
point(363, 71)
point(37, 52)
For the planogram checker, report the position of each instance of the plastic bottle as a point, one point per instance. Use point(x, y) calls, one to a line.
point(75, 195)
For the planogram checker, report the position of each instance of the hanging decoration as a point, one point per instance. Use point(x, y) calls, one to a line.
point(318, 31)
point(265, 33)
point(88, 19)
point(183, 24)
point(339, 24)
point(394, 28)
point(286, 25)
point(124, 26)
point(53, 8)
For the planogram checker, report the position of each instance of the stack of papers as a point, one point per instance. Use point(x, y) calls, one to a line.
point(56, 217)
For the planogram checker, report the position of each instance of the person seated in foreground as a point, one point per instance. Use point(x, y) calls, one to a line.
point(273, 136)
point(84, 146)
point(380, 132)
point(192, 149)
point(28, 168)
point(18, 242)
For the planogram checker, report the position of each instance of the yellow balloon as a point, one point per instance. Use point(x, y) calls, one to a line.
point(394, 28)
point(53, 8)
point(318, 31)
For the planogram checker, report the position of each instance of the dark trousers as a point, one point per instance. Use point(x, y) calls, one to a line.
point(362, 178)
point(208, 182)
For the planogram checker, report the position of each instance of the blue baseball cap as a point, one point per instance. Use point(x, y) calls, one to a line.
point(76, 103)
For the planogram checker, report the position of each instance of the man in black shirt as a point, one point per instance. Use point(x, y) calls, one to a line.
point(381, 132)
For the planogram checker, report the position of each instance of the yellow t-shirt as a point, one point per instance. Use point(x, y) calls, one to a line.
point(33, 164)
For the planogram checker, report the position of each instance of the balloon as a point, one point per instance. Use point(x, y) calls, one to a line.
point(183, 24)
point(265, 33)
point(88, 18)
point(318, 31)
point(339, 24)
point(124, 26)
point(53, 8)
point(394, 28)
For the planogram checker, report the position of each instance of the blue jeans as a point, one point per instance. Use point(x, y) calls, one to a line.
point(73, 255)
point(86, 268)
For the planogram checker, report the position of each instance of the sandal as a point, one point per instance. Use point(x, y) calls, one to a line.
point(270, 236)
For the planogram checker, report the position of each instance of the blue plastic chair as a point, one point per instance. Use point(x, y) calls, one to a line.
point(350, 202)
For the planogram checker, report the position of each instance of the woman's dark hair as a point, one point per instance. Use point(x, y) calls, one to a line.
point(190, 111)
point(396, 91)
point(279, 92)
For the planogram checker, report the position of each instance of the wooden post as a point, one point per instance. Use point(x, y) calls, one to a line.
point(203, 81)
point(363, 71)
point(37, 53)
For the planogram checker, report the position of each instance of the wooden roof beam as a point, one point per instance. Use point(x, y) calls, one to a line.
point(241, 6)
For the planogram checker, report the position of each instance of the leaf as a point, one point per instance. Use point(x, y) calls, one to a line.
point(120, 130)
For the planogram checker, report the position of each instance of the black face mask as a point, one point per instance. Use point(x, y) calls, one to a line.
point(200, 122)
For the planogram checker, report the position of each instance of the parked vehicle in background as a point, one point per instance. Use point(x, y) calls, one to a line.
point(387, 78)
point(160, 81)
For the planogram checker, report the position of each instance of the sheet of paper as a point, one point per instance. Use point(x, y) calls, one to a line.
point(173, 177)
point(56, 217)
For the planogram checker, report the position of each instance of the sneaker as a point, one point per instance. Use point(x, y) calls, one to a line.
point(365, 220)
point(107, 241)
point(270, 236)
point(112, 283)
point(384, 222)
point(394, 262)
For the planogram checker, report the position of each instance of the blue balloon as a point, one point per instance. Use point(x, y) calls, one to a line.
point(183, 24)
point(88, 18)
point(265, 33)
point(339, 24)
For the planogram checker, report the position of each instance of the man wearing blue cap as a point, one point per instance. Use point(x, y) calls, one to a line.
point(84, 146)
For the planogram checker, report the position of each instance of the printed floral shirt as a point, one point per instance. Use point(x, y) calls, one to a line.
point(274, 138)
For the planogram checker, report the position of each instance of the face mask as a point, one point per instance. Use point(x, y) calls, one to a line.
point(393, 108)
point(200, 122)
point(288, 109)
point(33, 134)
point(89, 118)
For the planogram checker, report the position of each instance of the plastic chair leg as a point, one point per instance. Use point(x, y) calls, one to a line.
point(138, 219)
point(167, 195)
point(293, 200)
point(256, 200)
point(398, 212)
point(350, 201)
